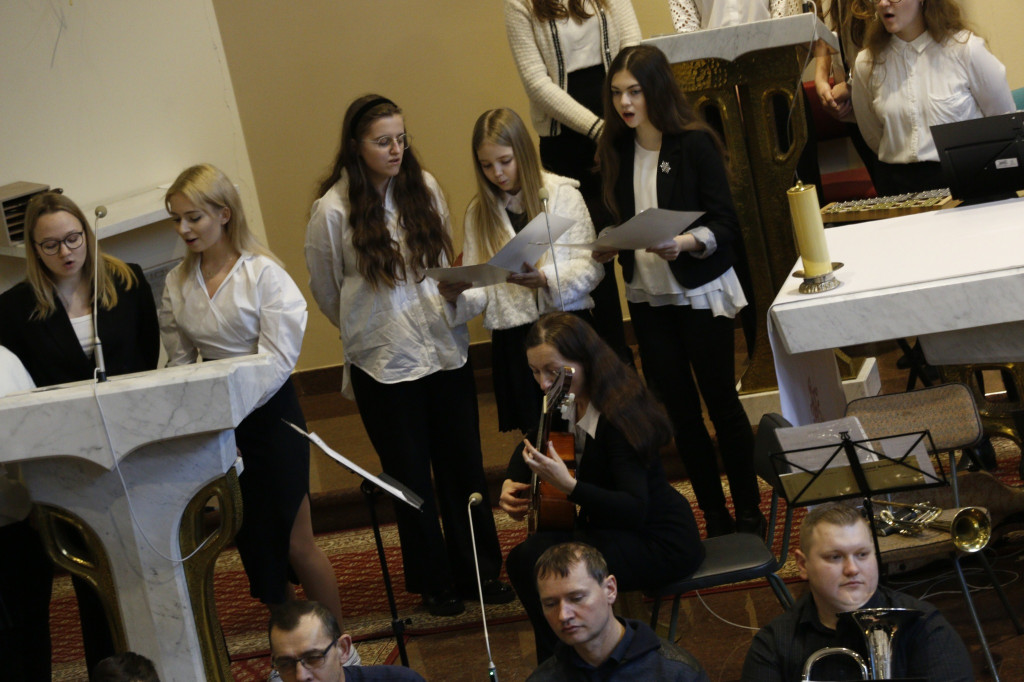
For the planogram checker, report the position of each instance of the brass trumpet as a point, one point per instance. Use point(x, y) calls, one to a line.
point(970, 529)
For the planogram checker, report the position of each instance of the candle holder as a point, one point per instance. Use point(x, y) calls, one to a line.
point(818, 283)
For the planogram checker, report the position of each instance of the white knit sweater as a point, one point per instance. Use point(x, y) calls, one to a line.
point(510, 305)
point(537, 50)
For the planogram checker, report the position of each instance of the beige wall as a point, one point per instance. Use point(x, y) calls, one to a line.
point(296, 66)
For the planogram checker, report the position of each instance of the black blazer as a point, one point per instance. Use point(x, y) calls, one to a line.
point(50, 350)
point(691, 177)
point(615, 490)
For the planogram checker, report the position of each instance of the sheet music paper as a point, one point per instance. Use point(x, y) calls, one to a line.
point(644, 230)
point(381, 481)
point(526, 247)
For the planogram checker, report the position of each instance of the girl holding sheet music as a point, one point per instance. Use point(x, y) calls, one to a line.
point(379, 223)
point(509, 184)
point(683, 293)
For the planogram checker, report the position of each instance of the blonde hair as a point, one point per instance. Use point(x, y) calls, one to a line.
point(206, 186)
point(504, 128)
point(40, 278)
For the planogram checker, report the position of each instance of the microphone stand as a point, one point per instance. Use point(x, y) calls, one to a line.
point(543, 195)
point(101, 366)
point(492, 670)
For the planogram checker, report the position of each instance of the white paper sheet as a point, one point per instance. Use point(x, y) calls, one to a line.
point(644, 230)
point(526, 247)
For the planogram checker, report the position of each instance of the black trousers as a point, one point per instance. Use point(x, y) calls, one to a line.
point(901, 178)
point(433, 423)
point(26, 583)
point(679, 344)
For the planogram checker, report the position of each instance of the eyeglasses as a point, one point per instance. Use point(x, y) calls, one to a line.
point(51, 247)
point(385, 141)
point(314, 660)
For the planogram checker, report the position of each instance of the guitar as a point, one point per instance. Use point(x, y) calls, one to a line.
point(550, 508)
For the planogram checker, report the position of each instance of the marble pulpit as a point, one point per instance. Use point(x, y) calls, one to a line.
point(114, 466)
point(747, 77)
point(954, 278)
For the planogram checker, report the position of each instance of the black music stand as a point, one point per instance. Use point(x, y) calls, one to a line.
point(845, 468)
point(371, 487)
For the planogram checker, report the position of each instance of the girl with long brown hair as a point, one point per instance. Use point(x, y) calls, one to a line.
point(380, 221)
point(684, 293)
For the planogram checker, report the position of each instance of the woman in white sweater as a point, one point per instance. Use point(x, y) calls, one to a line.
point(562, 49)
point(509, 180)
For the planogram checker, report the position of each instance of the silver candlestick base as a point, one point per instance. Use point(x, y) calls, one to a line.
point(819, 283)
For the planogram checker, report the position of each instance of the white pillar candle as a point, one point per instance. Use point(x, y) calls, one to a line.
point(809, 230)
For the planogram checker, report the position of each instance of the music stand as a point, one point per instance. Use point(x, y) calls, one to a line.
point(844, 468)
point(372, 486)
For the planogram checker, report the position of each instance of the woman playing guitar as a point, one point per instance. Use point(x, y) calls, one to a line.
point(626, 507)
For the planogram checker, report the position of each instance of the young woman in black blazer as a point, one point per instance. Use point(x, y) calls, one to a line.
point(627, 509)
point(684, 293)
point(47, 323)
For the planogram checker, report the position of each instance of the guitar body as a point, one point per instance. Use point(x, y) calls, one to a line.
point(551, 508)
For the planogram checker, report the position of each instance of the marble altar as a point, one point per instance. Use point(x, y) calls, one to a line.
point(950, 276)
point(170, 436)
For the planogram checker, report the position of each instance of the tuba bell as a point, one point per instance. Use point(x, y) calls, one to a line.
point(970, 529)
point(879, 627)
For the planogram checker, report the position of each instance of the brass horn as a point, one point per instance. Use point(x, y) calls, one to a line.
point(970, 528)
point(879, 627)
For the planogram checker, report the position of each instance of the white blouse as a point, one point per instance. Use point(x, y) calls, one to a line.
point(921, 83)
point(256, 309)
point(394, 333)
point(653, 282)
point(694, 15)
point(580, 41)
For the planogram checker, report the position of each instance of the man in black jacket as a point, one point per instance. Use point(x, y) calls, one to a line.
point(577, 595)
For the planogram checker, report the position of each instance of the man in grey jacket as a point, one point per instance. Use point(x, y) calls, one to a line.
point(577, 595)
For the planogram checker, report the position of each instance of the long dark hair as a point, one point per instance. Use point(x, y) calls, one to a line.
point(667, 110)
point(380, 257)
point(547, 10)
point(614, 388)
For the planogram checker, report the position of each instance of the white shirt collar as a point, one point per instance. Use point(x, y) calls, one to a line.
point(588, 422)
point(514, 202)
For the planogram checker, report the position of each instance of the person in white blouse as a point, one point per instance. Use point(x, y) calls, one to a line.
point(562, 49)
point(380, 221)
point(920, 67)
point(509, 181)
point(695, 15)
point(683, 293)
point(231, 297)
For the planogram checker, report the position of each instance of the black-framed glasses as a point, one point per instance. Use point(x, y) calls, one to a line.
point(51, 247)
point(385, 141)
point(314, 660)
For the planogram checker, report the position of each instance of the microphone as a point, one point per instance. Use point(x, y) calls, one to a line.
point(474, 500)
point(542, 194)
point(101, 367)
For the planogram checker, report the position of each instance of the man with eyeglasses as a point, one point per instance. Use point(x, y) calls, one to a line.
point(307, 644)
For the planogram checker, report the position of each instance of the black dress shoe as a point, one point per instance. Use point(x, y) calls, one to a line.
point(752, 521)
point(495, 592)
point(718, 523)
point(443, 603)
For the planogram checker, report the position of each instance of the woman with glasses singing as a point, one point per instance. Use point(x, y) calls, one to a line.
point(48, 324)
point(380, 221)
point(920, 67)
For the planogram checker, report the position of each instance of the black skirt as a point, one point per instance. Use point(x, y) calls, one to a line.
point(274, 482)
point(516, 393)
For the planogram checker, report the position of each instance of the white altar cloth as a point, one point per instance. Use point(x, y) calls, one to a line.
point(921, 275)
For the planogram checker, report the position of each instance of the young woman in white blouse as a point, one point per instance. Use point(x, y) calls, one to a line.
point(231, 297)
point(920, 67)
point(380, 221)
point(509, 180)
point(562, 49)
point(684, 293)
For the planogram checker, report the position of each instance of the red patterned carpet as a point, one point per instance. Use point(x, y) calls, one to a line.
point(353, 555)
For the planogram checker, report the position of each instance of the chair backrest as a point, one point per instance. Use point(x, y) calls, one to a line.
point(765, 444)
point(947, 411)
